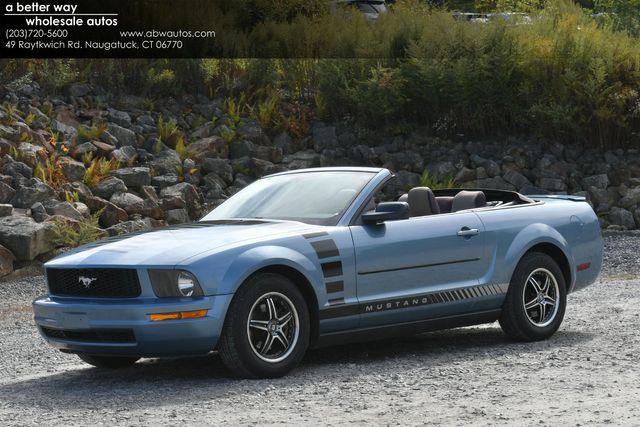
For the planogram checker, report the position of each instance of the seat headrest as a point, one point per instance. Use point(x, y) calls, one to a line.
point(468, 200)
point(404, 198)
point(422, 202)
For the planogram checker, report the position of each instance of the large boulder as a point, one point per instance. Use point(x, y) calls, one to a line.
point(166, 163)
point(6, 193)
point(131, 203)
point(34, 191)
point(109, 186)
point(133, 177)
point(24, 237)
point(72, 169)
point(66, 209)
point(598, 181)
point(6, 261)
point(111, 214)
point(124, 136)
point(220, 167)
point(122, 118)
point(622, 217)
point(189, 194)
point(212, 146)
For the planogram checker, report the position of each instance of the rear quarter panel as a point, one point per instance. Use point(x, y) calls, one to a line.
point(570, 225)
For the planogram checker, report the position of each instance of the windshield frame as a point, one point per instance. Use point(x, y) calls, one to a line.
point(333, 220)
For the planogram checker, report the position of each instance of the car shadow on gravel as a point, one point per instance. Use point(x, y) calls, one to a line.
point(154, 381)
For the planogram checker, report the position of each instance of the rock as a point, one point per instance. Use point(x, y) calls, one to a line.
point(406, 160)
point(104, 149)
point(552, 184)
point(39, 212)
point(77, 187)
point(32, 153)
point(73, 170)
point(465, 175)
point(121, 118)
point(66, 209)
point(302, 160)
point(124, 136)
point(111, 214)
point(164, 181)
point(603, 199)
point(6, 210)
point(494, 183)
point(214, 187)
point(131, 203)
point(36, 191)
point(151, 208)
point(212, 146)
point(404, 182)
point(128, 227)
point(17, 170)
point(109, 186)
point(24, 237)
point(631, 198)
point(82, 208)
point(442, 170)
point(220, 167)
point(136, 177)
point(177, 216)
point(204, 131)
point(124, 155)
point(6, 261)
point(78, 90)
point(598, 181)
point(251, 130)
point(492, 168)
point(516, 179)
point(188, 193)
point(6, 193)
point(168, 162)
point(149, 192)
point(283, 141)
point(82, 149)
point(622, 217)
point(324, 137)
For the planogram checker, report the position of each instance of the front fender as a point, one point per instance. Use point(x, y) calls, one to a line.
point(531, 236)
point(254, 259)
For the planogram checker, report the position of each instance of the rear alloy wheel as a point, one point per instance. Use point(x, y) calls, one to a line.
point(535, 304)
point(108, 362)
point(266, 332)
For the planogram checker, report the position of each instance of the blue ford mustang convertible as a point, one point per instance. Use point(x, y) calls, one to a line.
point(317, 257)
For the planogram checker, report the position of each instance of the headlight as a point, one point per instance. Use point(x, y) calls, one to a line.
point(174, 283)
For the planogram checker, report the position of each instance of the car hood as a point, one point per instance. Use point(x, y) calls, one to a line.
point(170, 245)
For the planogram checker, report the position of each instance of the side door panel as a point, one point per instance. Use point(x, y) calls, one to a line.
point(417, 269)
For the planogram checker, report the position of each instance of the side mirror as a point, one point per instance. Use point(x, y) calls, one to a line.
point(387, 211)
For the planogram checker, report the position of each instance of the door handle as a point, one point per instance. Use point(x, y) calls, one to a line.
point(468, 232)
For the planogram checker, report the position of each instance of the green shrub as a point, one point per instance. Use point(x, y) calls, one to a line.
point(71, 235)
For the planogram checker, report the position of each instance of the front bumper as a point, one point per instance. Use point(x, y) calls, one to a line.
point(83, 325)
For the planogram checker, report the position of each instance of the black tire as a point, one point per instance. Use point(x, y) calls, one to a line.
point(108, 362)
point(237, 352)
point(530, 324)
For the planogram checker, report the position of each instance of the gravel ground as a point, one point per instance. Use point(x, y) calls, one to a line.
point(587, 373)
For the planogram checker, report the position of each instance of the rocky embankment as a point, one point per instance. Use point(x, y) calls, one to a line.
point(134, 164)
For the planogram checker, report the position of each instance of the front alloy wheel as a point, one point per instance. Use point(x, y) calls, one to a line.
point(273, 327)
point(266, 331)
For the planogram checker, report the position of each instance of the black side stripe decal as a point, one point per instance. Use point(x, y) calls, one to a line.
point(325, 248)
point(408, 302)
point(332, 269)
point(411, 267)
point(333, 287)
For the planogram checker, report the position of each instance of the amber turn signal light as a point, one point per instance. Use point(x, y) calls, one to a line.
point(179, 315)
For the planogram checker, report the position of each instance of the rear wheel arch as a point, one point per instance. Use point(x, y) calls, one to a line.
point(558, 255)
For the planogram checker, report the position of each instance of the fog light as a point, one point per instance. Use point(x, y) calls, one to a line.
point(179, 315)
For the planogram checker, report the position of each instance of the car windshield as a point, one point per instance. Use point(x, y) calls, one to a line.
point(311, 197)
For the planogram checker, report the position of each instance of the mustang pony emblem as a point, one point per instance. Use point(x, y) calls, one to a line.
point(87, 281)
